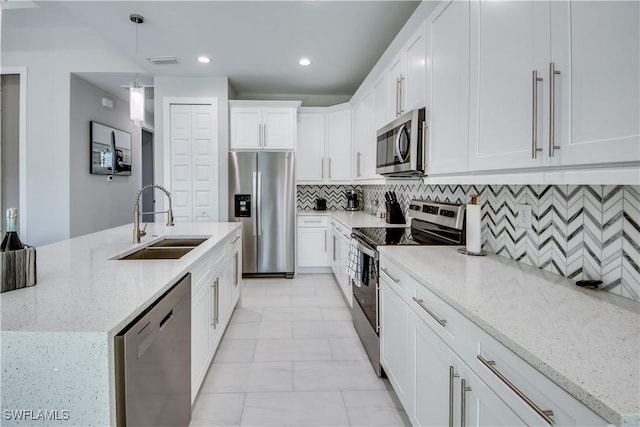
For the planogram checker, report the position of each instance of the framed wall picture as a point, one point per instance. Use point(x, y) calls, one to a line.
point(110, 150)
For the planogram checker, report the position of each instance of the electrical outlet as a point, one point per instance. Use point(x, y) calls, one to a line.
point(524, 216)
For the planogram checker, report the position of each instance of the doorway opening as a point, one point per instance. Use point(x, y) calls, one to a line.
point(148, 199)
point(9, 143)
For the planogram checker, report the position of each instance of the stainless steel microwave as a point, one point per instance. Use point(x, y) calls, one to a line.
point(401, 146)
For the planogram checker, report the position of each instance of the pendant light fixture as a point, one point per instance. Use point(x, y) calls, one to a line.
point(136, 89)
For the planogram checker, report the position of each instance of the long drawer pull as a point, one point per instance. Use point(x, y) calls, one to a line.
point(546, 414)
point(396, 281)
point(420, 302)
point(235, 240)
point(452, 375)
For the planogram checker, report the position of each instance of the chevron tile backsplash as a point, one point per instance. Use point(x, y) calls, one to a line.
point(578, 231)
point(336, 196)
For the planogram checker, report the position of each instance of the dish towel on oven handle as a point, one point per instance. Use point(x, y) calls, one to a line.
point(354, 267)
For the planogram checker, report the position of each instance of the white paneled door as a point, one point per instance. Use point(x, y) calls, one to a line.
point(194, 162)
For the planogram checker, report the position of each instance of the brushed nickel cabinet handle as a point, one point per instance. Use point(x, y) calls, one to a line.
point(329, 167)
point(420, 302)
point(452, 375)
point(401, 94)
point(358, 164)
point(322, 168)
point(325, 241)
point(396, 281)
point(552, 109)
point(235, 240)
point(545, 414)
point(534, 118)
point(397, 97)
point(334, 247)
point(463, 403)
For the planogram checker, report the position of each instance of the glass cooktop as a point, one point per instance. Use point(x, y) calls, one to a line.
point(383, 236)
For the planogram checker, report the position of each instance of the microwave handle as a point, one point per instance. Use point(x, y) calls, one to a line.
point(398, 136)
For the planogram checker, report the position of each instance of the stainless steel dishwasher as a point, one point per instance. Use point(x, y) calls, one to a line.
point(153, 363)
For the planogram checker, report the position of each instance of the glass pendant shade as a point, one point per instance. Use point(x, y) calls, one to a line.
point(136, 102)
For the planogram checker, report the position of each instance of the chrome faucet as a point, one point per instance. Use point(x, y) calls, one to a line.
point(137, 233)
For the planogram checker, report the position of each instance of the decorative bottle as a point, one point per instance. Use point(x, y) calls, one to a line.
point(11, 241)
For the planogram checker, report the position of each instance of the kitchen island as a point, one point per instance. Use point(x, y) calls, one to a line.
point(57, 337)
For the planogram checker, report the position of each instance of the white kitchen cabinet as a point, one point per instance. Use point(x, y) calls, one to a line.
point(263, 125)
point(313, 241)
point(595, 105)
point(340, 236)
point(406, 76)
point(439, 380)
point(339, 145)
point(310, 152)
point(447, 88)
point(194, 162)
point(324, 147)
point(394, 340)
point(364, 139)
point(215, 289)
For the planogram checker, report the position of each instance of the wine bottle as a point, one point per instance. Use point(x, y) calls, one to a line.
point(11, 241)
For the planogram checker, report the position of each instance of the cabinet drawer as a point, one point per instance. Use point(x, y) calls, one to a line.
point(396, 278)
point(524, 388)
point(199, 274)
point(443, 319)
point(312, 221)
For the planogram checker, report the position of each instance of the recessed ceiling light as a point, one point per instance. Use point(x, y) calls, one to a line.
point(304, 61)
point(204, 59)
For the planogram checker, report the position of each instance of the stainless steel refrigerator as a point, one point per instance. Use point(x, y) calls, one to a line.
point(262, 195)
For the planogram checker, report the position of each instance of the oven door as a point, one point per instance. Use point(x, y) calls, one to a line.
point(365, 290)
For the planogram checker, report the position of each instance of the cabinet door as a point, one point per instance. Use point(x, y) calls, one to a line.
point(395, 75)
point(434, 388)
point(413, 85)
point(364, 139)
point(279, 128)
point(394, 341)
point(216, 311)
point(310, 148)
point(312, 247)
point(380, 105)
point(448, 53)
point(339, 145)
point(511, 41)
point(236, 277)
point(199, 338)
point(596, 48)
point(205, 163)
point(333, 250)
point(246, 128)
point(181, 167)
point(345, 247)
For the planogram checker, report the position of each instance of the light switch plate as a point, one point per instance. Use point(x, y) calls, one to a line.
point(524, 216)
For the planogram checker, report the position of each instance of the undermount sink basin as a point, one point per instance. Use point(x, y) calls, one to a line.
point(165, 248)
point(158, 253)
point(178, 242)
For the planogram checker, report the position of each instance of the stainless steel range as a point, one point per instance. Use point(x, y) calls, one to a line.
point(433, 223)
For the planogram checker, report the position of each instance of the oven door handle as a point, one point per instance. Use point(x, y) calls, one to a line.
point(364, 248)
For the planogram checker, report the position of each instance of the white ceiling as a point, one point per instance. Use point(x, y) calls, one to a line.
point(257, 44)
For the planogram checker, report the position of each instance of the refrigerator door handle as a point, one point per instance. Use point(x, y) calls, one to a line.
point(259, 204)
point(254, 208)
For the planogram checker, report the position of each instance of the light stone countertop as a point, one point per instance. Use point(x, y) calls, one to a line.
point(587, 342)
point(353, 219)
point(80, 289)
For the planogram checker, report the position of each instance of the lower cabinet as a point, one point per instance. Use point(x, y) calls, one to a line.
point(445, 390)
point(214, 294)
point(313, 241)
point(340, 243)
point(450, 372)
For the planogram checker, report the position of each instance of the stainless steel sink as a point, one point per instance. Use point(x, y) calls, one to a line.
point(179, 242)
point(165, 248)
point(158, 253)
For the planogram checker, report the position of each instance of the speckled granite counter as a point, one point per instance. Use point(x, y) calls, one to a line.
point(353, 219)
point(57, 337)
point(546, 320)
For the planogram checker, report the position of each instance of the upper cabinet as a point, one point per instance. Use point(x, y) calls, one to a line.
point(263, 125)
point(364, 136)
point(324, 145)
point(539, 98)
point(448, 95)
point(405, 77)
point(595, 47)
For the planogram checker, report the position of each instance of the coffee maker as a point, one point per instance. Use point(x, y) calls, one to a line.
point(353, 204)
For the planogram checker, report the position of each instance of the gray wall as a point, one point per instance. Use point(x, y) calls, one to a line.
point(9, 169)
point(50, 54)
point(95, 202)
point(194, 87)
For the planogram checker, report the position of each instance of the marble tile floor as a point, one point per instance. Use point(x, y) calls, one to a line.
point(291, 357)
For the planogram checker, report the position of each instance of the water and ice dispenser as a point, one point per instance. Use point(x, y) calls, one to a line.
point(242, 205)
